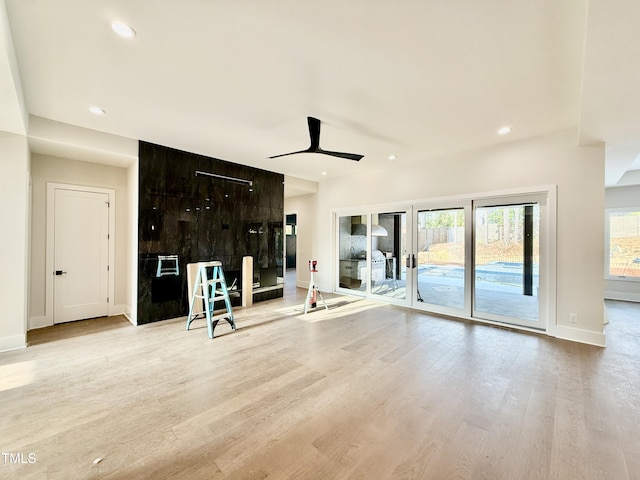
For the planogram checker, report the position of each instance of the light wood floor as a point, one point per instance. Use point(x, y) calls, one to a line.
point(362, 391)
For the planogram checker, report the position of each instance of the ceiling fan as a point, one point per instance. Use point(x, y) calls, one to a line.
point(314, 134)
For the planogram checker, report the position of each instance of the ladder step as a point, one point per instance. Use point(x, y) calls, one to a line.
point(217, 299)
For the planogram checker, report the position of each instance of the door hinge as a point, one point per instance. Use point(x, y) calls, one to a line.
point(108, 268)
point(107, 299)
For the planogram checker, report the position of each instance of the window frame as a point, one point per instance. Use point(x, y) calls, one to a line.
point(607, 244)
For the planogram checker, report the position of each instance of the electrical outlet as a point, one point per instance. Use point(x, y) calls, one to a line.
point(573, 317)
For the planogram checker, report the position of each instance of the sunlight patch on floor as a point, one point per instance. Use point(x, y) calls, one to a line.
point(16, 375)
point(336, 308)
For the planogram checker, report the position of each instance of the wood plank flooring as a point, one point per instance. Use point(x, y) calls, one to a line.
point(362, 391)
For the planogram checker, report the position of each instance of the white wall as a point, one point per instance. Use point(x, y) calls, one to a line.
point(553, 159)
point(14, 118)
point(131, 298)
point(622, 197)
point(60, 170)
point(304, 206)
point(14, 240)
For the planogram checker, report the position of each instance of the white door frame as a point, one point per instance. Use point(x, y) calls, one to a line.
point(50, 250)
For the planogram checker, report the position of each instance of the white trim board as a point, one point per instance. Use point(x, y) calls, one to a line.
point(623, 296)
point(12, 342)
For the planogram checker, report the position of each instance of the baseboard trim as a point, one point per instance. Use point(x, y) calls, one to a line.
point(121, 309)
point(623, 296)
point(13, 342)
point(581, 336)
point(128, 317)
point(39, 322)
point(125, 311)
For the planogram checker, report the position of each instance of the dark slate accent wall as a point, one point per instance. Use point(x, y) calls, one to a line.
point(201, 219)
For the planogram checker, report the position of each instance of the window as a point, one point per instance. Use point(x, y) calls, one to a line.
point(290, 229)
point(622, 242)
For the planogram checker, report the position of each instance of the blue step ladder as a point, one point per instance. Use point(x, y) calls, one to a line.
point(207, 291)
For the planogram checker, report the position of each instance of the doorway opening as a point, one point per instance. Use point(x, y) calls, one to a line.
point(291, 247)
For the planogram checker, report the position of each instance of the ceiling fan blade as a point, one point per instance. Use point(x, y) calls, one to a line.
point(314, 137)
point(349, 156)
point(292, 153)
point(314, 133)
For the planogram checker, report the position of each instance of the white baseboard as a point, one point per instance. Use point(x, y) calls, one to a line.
point(121, 309)
point(12, 342)
point(582, 336)
point(125, 311)
point(129, 317)
point(39, 322)
point(624, 296)
point(42, 321)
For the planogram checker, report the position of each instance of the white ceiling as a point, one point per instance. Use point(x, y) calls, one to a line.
point(236, 79)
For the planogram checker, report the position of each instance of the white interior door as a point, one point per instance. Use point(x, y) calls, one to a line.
point(81, 254)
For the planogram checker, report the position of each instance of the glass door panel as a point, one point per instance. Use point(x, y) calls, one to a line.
point(440, 258)
point(352, 252)
point(475, 258)
point(388, 255)
point(506, 263)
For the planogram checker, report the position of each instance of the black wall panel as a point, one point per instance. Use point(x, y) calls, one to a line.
point(200, 219)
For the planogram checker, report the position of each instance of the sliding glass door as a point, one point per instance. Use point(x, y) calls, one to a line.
point(352, 252)
point(372, 249)
point(388, 255)
point(506, 261)
point(439, 259)
point(482, 258)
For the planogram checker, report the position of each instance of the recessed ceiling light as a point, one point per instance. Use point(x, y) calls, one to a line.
point(96, 110)
point(324, 174)
point(123, 29)
point(504, 130)
point(392, 157)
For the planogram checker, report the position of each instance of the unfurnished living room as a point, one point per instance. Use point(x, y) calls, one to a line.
point(320, 240)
